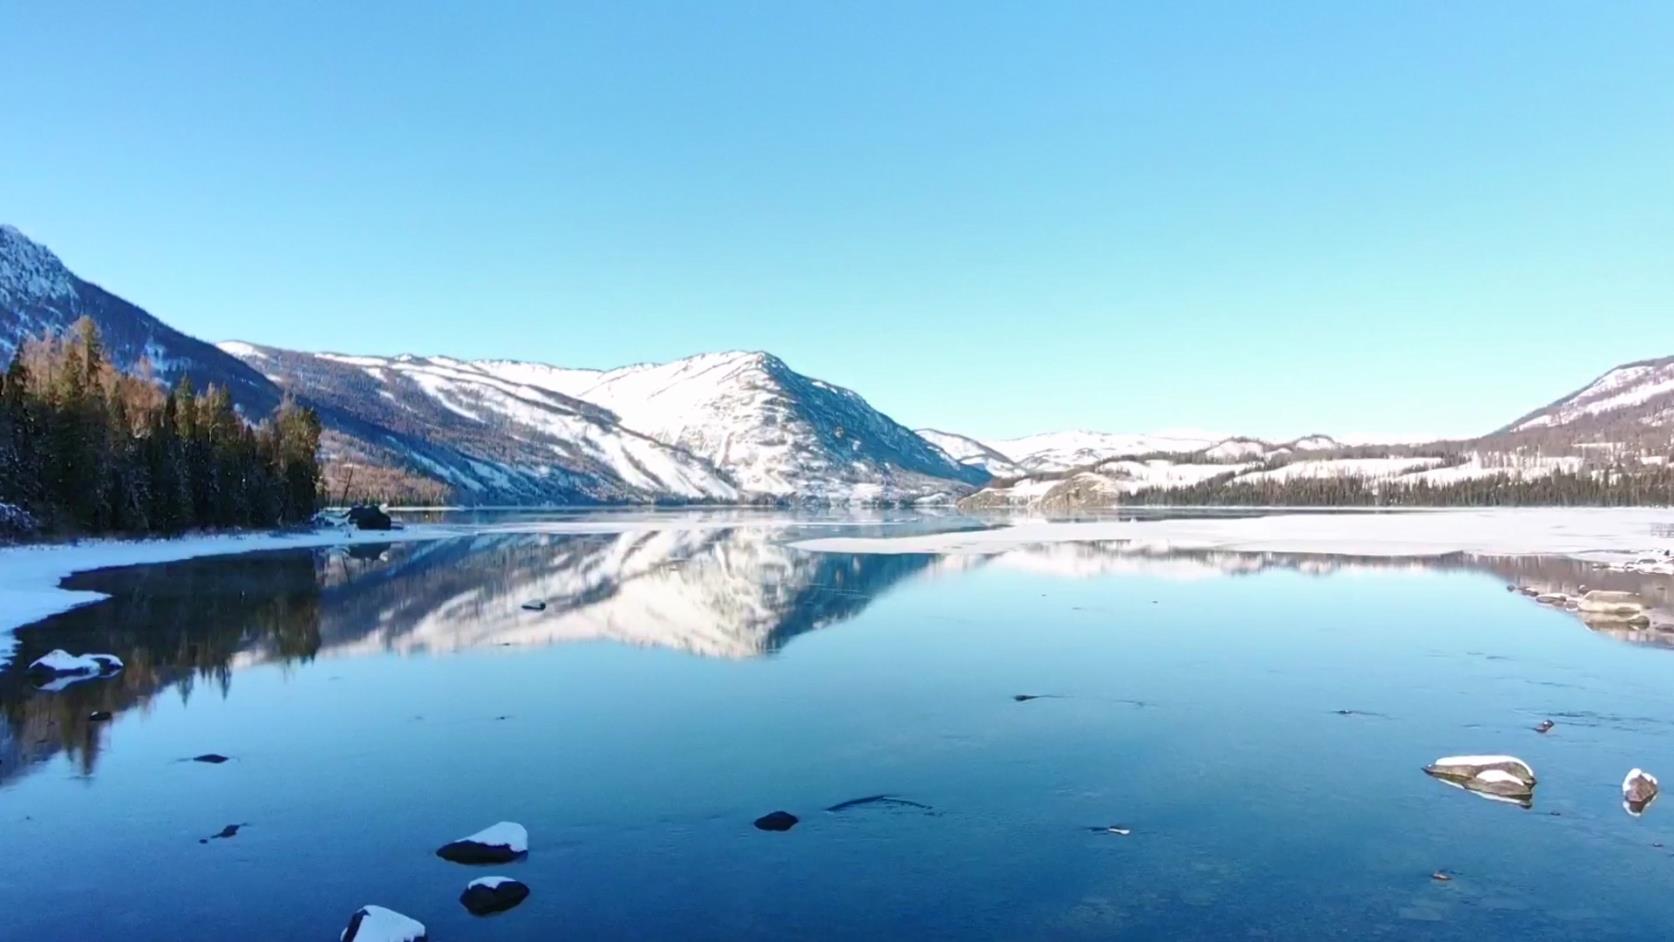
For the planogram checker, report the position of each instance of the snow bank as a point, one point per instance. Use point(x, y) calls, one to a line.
point(1605, 535)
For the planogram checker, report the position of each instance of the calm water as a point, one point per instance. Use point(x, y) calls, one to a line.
point(683, 682)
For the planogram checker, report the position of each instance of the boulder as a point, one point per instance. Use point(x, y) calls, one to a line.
point(499, 843)
point(369, 517)
point(535, 606)
point(776, 821)
point(1462, 768)
point(377, 924)
point(1639, 789)
point(489, 895)
point(61, 663)
point(212, 758)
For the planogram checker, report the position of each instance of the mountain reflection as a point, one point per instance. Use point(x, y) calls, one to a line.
point(728, 592)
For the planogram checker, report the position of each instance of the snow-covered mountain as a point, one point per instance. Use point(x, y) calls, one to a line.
point(1056, 452)
point(969, 451)
point(39, 295)
point(492, 439)
point(716, 427)
point(1060, 451)
point(1632, 404)
point(773, 431)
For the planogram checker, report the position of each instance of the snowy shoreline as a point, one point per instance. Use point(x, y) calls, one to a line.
point(1612, 536)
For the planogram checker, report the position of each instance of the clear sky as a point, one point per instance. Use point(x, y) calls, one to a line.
point(1264, 218)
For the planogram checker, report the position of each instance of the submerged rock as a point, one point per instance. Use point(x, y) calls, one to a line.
point(61, 663)
point(489, 895)
point(1602, 602)
point(1503, 778)
point(883, 800)
point(1639, 789)
point(497, 843)
point(776, 821)
point(213, 758)
point(377, 924)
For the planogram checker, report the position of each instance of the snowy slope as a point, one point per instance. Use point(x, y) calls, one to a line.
point(1061, 451)
point(1633, 402)
point(969, 451)
point(772, 430)
point(492, 438)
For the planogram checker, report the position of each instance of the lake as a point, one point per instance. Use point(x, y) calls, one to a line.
point(1256, 722)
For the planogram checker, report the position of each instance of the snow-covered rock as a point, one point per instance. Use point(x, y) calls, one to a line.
point(1501, 777)
point(497, 843)
point(61, 663)
point(486, 895)
point(377, 924)
point(1639, 789)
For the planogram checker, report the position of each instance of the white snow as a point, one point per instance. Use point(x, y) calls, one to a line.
point(1369, 468)
point(1627, 782)
point(1496, 777)
point(506, 834)
point(385, 925)
point(29, 272)
point(492, 883)
point(60, 661)
point(1603, 535)
point(240, 349)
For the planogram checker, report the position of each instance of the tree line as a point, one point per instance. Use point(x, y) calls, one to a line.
point(88, 449)
point(1587, 487)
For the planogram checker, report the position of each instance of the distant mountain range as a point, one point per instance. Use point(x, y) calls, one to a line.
point(719, 427)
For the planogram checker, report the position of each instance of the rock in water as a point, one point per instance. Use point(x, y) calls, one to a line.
point(99, 716)
point(377, 924)
point(1639, 789)
point(776, 821)
point(535, 606)
point(213, 758)
point(1602, 602)
point(1544, 726)
point(498, 843)
point(61, 663)
point(368, 517)
point(1502, 778)
point(490, 895)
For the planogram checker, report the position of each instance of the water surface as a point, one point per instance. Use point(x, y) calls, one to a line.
point(1256, 720)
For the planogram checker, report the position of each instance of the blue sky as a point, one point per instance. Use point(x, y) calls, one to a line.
point(1265, 218)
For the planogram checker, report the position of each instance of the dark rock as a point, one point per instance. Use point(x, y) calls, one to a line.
point(1544, 726)
point(500, 843)
point(213, 758)
point(776, 821)
point(99, 716)
point(230, 830)
point(368, 517)
point(535, 606)
point(491, 895)
point(1639, 789)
